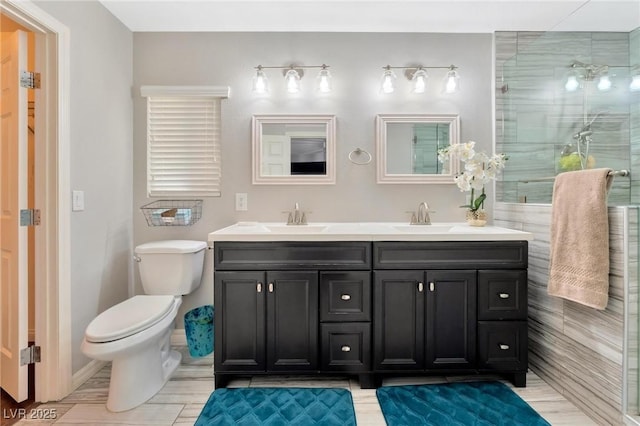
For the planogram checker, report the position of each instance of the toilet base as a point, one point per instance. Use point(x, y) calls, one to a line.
point(138, 376)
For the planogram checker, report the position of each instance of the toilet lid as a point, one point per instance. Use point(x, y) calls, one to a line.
point(129, 317)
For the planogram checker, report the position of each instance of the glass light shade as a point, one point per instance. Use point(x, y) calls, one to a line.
point(572, 83)
point(634, 86)
point(419, 81)
point(452, 82)
point(387, 85)
point(323, 81)
point(293, 81)
point(604, 83)
point(260, 82)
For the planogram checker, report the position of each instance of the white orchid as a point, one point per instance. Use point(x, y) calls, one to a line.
point(479, 169)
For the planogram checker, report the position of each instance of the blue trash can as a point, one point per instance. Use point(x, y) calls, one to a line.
point(198, 326)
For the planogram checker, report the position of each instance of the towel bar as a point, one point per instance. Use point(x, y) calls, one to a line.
point(623, 173)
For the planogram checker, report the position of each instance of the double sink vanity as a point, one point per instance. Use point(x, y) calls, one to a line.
point(369, 299)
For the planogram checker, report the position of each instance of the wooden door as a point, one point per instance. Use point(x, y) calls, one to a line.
point(13, 197)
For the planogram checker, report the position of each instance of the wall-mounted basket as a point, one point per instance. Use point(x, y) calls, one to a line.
point(172, 212)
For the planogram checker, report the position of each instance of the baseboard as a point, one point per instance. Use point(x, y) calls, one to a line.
point(178, 337)
point(85, 373)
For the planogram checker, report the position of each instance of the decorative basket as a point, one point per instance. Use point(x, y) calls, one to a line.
point(172, 212)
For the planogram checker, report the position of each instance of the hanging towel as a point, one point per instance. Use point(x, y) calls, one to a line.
point(579, 258)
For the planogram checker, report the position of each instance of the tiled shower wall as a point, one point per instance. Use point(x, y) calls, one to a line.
point(536, 118)
point(580, 351)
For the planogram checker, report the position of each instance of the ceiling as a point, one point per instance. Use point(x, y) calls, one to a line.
point(447, 16)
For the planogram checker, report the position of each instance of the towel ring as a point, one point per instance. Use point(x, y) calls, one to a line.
point(360, 151)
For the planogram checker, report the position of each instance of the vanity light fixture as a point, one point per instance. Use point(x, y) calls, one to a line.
point(418, 77)
point(587, 72)
point(634, 86)
point(292, 76)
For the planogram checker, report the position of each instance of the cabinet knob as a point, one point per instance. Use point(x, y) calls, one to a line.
point(504, 347)
point(259, 288)
point(345, 348)
point(420, 287)
point(270, 287)
point(503, 295)
point(432, 286)
point(345, 297)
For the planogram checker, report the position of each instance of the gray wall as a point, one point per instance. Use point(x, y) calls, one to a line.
point(101, 161)
point(356, 62)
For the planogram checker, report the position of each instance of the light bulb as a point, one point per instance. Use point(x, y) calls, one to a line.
point(260, 82)
point(634, 86)
point(451, 84)
point(419, 81)
point(388, 81)
point(604, 83)
point(324, 80)
point(293, 81)
point(572, 83)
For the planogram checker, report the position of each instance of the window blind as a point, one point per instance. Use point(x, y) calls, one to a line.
point(183, 143)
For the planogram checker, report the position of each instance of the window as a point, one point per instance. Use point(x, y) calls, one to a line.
point(183, 140)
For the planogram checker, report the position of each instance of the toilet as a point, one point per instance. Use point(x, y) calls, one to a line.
point(135, 334)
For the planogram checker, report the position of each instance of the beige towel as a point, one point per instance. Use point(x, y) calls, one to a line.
point(579, 261)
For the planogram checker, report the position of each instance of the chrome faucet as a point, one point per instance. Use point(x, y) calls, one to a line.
point(422, 218)
point(297, 217)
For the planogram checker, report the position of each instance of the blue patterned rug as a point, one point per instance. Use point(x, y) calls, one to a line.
point(278, 406)
point(456, 404)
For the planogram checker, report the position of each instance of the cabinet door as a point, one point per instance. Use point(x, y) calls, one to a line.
point(398, 320)
point(451, 319)
point(239, 321)
point(292, 321)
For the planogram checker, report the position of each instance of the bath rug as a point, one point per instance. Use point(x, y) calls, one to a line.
point(456, 404)
point(278, 406)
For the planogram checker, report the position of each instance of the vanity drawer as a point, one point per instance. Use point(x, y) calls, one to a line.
point(287, 255)
point(346, 347)
point(502, 345)
point(502, 295)
point(450, 255)
point(345, 296)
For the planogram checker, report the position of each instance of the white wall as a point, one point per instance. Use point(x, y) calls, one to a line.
point(101, 161)
point(356, 61)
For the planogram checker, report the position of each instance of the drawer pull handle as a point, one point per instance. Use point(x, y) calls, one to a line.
point(503, 295)
point(259, 287)
point(270, 287)
point(345, 297)
point(504, 347)
point(420, 287)
point(345, 348)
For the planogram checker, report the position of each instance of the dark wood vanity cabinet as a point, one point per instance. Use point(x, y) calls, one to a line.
point(370, 308)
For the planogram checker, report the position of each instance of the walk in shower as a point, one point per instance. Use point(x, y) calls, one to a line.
point(567, 101)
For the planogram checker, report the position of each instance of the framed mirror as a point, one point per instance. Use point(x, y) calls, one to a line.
point(294, 149)
point(407, 147)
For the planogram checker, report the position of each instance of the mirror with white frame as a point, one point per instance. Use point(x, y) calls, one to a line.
point(407, 147)
point(293, 149)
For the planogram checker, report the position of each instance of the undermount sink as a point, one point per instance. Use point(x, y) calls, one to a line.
point(423, 229)
point(296, 229)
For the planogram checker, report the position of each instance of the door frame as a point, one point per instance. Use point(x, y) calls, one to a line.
point(52, 196)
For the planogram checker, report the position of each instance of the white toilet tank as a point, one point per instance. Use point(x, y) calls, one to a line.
point(171, 267)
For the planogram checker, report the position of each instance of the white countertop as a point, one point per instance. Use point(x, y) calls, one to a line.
point(365, 231)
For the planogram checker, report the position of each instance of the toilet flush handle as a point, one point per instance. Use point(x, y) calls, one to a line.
point(137, 259)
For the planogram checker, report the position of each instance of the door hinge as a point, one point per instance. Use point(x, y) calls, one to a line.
point(30, 80)
point(30, 355)
point(29, 217)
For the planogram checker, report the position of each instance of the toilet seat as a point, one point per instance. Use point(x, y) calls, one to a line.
point(129, 317)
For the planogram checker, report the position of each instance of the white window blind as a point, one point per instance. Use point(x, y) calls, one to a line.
point(183, 141)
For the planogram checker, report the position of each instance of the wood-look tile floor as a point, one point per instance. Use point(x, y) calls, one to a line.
point(183, 397)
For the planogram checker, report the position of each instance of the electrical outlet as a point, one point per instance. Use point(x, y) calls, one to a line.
point(241, 201)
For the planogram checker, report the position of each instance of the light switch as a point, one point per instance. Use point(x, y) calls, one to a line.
point(77, 201)
point(241, 201)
